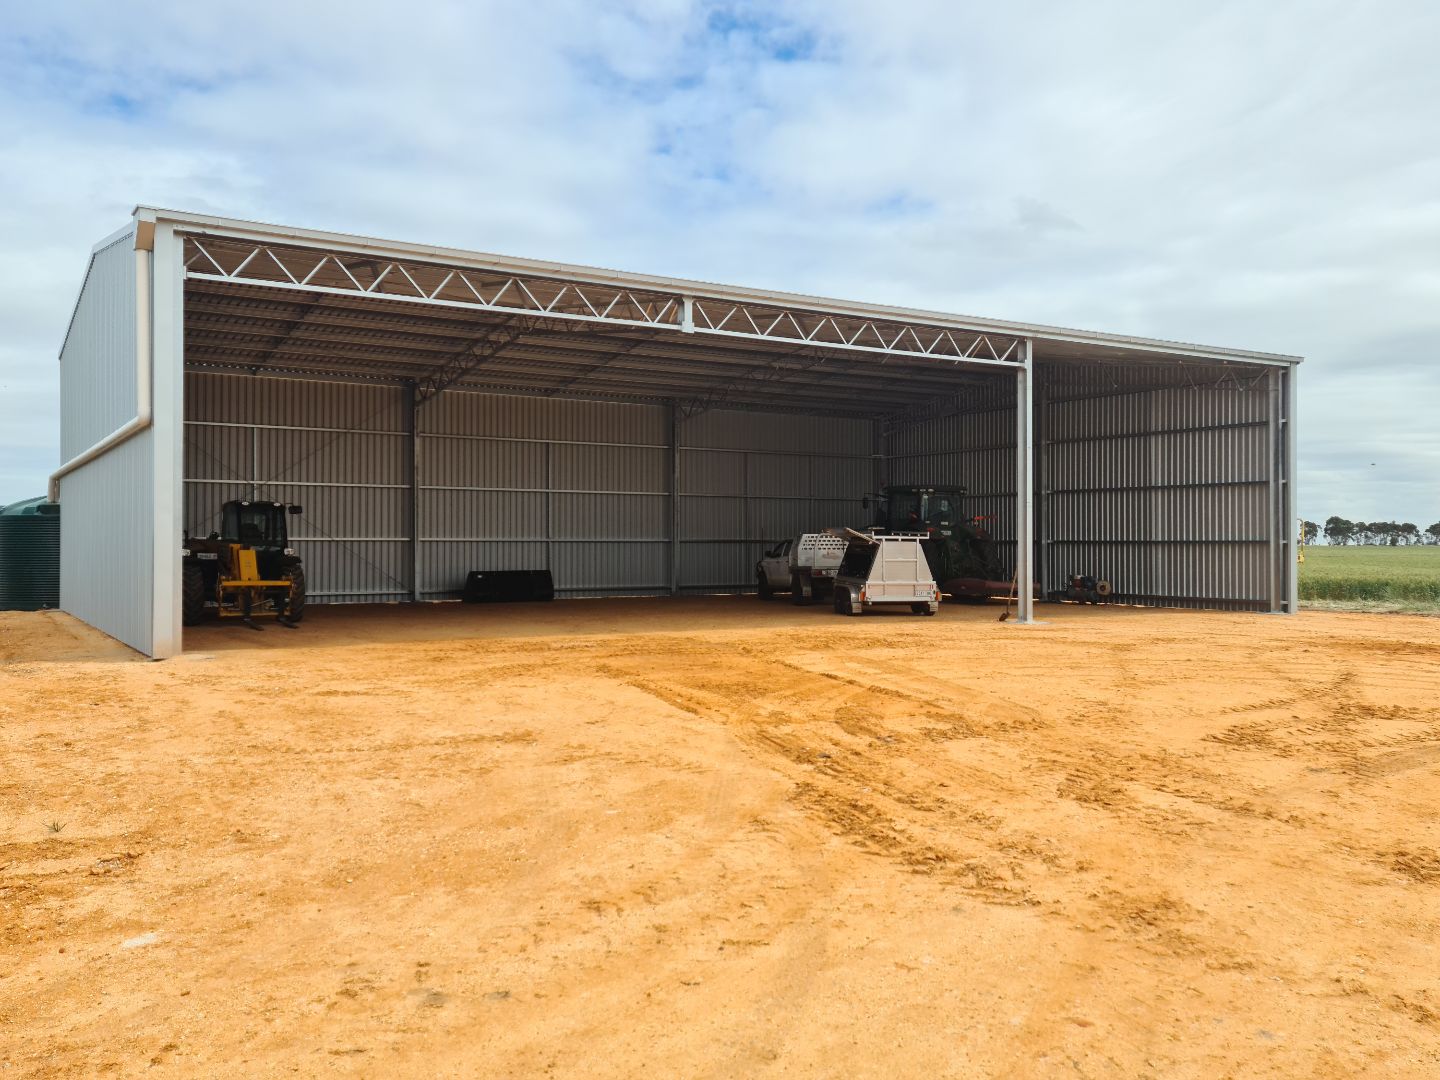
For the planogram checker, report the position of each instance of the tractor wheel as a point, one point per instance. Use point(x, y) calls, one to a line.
point(762, 586)
point(192, 595)
point(295, 608)
point(800, 593)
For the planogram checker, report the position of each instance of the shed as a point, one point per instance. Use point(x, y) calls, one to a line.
point(437, 411)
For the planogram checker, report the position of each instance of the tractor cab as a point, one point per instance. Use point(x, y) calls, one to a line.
point(920, 509)
point(958, 545)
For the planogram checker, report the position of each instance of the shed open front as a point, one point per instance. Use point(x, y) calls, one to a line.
point(435, 411)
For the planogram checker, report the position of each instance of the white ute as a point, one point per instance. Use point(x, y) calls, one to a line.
point(805, 567)
point(884, 570)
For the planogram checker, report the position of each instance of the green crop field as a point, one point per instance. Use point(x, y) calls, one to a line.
point(1391, 578)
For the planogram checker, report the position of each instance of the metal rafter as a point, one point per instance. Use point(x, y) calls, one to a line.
point(775, 371)
point(470, 358)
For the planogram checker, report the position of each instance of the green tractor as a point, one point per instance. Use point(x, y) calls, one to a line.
point(246, 569)
point(958, 547)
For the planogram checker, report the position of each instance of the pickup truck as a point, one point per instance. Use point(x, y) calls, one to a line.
point(804, 567)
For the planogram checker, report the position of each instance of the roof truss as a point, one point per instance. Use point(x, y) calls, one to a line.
point(345, 273)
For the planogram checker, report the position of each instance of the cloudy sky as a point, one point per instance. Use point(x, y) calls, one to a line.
point(1257, 175)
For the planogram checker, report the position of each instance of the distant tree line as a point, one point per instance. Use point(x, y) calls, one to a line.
point(1341, 531)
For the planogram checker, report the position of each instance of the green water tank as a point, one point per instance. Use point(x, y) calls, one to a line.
point(30, 556)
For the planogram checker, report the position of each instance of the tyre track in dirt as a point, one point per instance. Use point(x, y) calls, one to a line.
point(1163, 844)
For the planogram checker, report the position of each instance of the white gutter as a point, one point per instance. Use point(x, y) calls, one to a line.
point(144, 394)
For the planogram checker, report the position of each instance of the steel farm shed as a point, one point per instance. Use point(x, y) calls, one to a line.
point(438, 410)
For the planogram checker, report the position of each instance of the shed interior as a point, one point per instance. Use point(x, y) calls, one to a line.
point(433, 419)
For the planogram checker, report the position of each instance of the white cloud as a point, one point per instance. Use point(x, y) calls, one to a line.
point(1256, 175)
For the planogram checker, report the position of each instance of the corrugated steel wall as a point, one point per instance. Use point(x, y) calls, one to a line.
point(974, 449)
point(513, 482)
point(749, 479)
point(338, 450)
point(520, 483)
point(1166, 492)
point(97, 362)
point(107, 528)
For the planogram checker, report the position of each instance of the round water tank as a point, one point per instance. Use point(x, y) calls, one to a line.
point(30, 556)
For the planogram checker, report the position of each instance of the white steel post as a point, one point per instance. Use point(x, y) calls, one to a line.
point(1291, 500)
point(1275, 462)
point(1025, 487)
point(167, 310)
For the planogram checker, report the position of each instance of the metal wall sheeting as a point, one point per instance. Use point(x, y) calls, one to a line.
point(339, 450)
point(972, 449)
point(108, 524)
point(97, 362)
point(1165, 492)
point(513, 482)
point(1168, 492)
point(524, 483)
point(750, 479)
point(106, 550)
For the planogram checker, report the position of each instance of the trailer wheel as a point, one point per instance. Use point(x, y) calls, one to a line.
point(192, 595)
point(762, 585)
point(844, 604)
point(921, 609)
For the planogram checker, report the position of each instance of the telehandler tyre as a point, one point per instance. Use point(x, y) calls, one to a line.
point(192, 595)
point(295, 607)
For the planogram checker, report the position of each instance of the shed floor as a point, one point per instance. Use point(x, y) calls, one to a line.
point(351, 624)
point(717, 837)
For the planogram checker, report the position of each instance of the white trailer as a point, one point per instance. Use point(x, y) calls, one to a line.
point(885, 569)
point(805, 567)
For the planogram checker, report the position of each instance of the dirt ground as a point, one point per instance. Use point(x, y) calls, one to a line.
point(719, 838)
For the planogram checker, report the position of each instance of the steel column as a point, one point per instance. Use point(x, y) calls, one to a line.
point(1274, 463)
point(1291, 501)
point(674, 440)
point(1040, 441)
point(879, 457)
point(410, 409)
point(1025, 486)
point(167, 302)
point(549, 507)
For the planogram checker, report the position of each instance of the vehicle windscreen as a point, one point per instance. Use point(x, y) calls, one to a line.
point(263, 526)
point(858, 560)
point(942, 512)
point(905, 512)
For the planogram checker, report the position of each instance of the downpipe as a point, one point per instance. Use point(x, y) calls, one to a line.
point(144, 393)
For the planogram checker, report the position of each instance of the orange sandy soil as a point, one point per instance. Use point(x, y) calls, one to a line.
point(719, 838)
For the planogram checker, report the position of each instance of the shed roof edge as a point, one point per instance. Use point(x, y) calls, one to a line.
point(703, 289)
